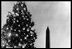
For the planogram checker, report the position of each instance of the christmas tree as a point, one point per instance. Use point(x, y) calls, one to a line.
point(18, 32)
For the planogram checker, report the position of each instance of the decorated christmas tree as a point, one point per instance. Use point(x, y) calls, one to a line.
point(18, 31)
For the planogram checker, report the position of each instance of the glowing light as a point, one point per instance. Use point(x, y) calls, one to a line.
point(17, 21)
point(23, 28)
point(9, 34)
point(25, 38)
point(19, 25)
